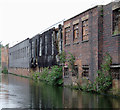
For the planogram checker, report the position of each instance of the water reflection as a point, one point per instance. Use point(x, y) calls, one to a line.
point(18, 92)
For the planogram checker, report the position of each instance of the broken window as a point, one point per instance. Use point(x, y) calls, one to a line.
point(36, 47)
point(116, 21)
point(40, 52)
point(32, 48)
point(67, 35)
point(85, 30)
point(75, 73)
point(52, 46)
point(66, 72)
point(85, 72)
point(75, 31)
point(115, 73)
point(45, 45)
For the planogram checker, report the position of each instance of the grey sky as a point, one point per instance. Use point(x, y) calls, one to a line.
point(20, 19)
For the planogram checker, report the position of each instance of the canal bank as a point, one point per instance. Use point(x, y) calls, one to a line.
point(18, 92)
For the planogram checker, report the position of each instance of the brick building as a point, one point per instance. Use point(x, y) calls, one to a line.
point(88, 36)
point(4, 57)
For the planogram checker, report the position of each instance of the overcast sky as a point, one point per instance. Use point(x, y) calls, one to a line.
point(20, 19)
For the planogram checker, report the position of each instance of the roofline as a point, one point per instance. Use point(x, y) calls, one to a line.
point(82, 12)
point(18, 43)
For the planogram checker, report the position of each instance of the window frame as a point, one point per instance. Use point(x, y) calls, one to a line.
point(86, 36)
point(114, 31)
point(75, 30)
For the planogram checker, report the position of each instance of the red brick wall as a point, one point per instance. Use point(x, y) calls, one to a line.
point(20, 71)
point(111, 43)
point(86, 53)
point(4, 57)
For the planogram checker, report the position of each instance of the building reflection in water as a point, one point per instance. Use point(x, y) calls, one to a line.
point(25, 93)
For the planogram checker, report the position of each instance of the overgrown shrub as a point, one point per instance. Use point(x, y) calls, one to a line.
point(52, 76)
point(104, 79)
point(5, 71)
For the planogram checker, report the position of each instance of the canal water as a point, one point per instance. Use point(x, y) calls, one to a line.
point(17, 92)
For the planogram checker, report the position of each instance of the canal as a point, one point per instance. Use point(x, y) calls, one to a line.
point(17, 92)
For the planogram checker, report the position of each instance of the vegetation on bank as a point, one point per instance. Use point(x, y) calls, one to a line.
point(5, 70)
point(103, 81)
point(52, 76)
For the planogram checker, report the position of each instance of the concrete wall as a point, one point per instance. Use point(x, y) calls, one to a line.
point(19, 55)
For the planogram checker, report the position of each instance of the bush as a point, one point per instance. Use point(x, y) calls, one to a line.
point(52, 76)
point(104, 79)
point(5, 71)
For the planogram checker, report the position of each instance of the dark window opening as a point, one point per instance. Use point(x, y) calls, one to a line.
point(85, 72)
point(115, 73)
point(75, 72)
point(116, 21)
point(75, 32)
point(85, 30)
point(66, 72)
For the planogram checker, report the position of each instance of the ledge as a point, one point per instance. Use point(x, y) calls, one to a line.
point(85, 41)
point(116, 35)
point(75, 43)
point(115, 66)
point(67, 44)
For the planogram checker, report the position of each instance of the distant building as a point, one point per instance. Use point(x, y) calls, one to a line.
point(4, 57)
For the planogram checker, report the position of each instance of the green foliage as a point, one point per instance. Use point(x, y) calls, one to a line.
point(52, 76)
point(104, 79)
point(62, 57)
point(71, 61)
point(5, 71)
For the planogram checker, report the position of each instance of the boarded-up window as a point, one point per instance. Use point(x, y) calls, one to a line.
point(85, 30)
point(67, 35)
point(85, 72)
point(75, 31)
point(116, 21)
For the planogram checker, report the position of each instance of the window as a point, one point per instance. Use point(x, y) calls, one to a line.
point(36, 47)
point(52, 46)
point(75, 31)
point(32, 48)
point(66, 72)
point(45, 45)
point(85, 30)
point(116, 21)
point(40, 52)
point(67, 35)
point(85, 72)
point(75, 71)
point(115, 73)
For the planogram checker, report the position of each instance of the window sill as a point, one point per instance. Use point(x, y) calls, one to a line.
point(85, 41)
point(115, 35)
point(66, 76)
point(75, 43)
point(67, 45)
